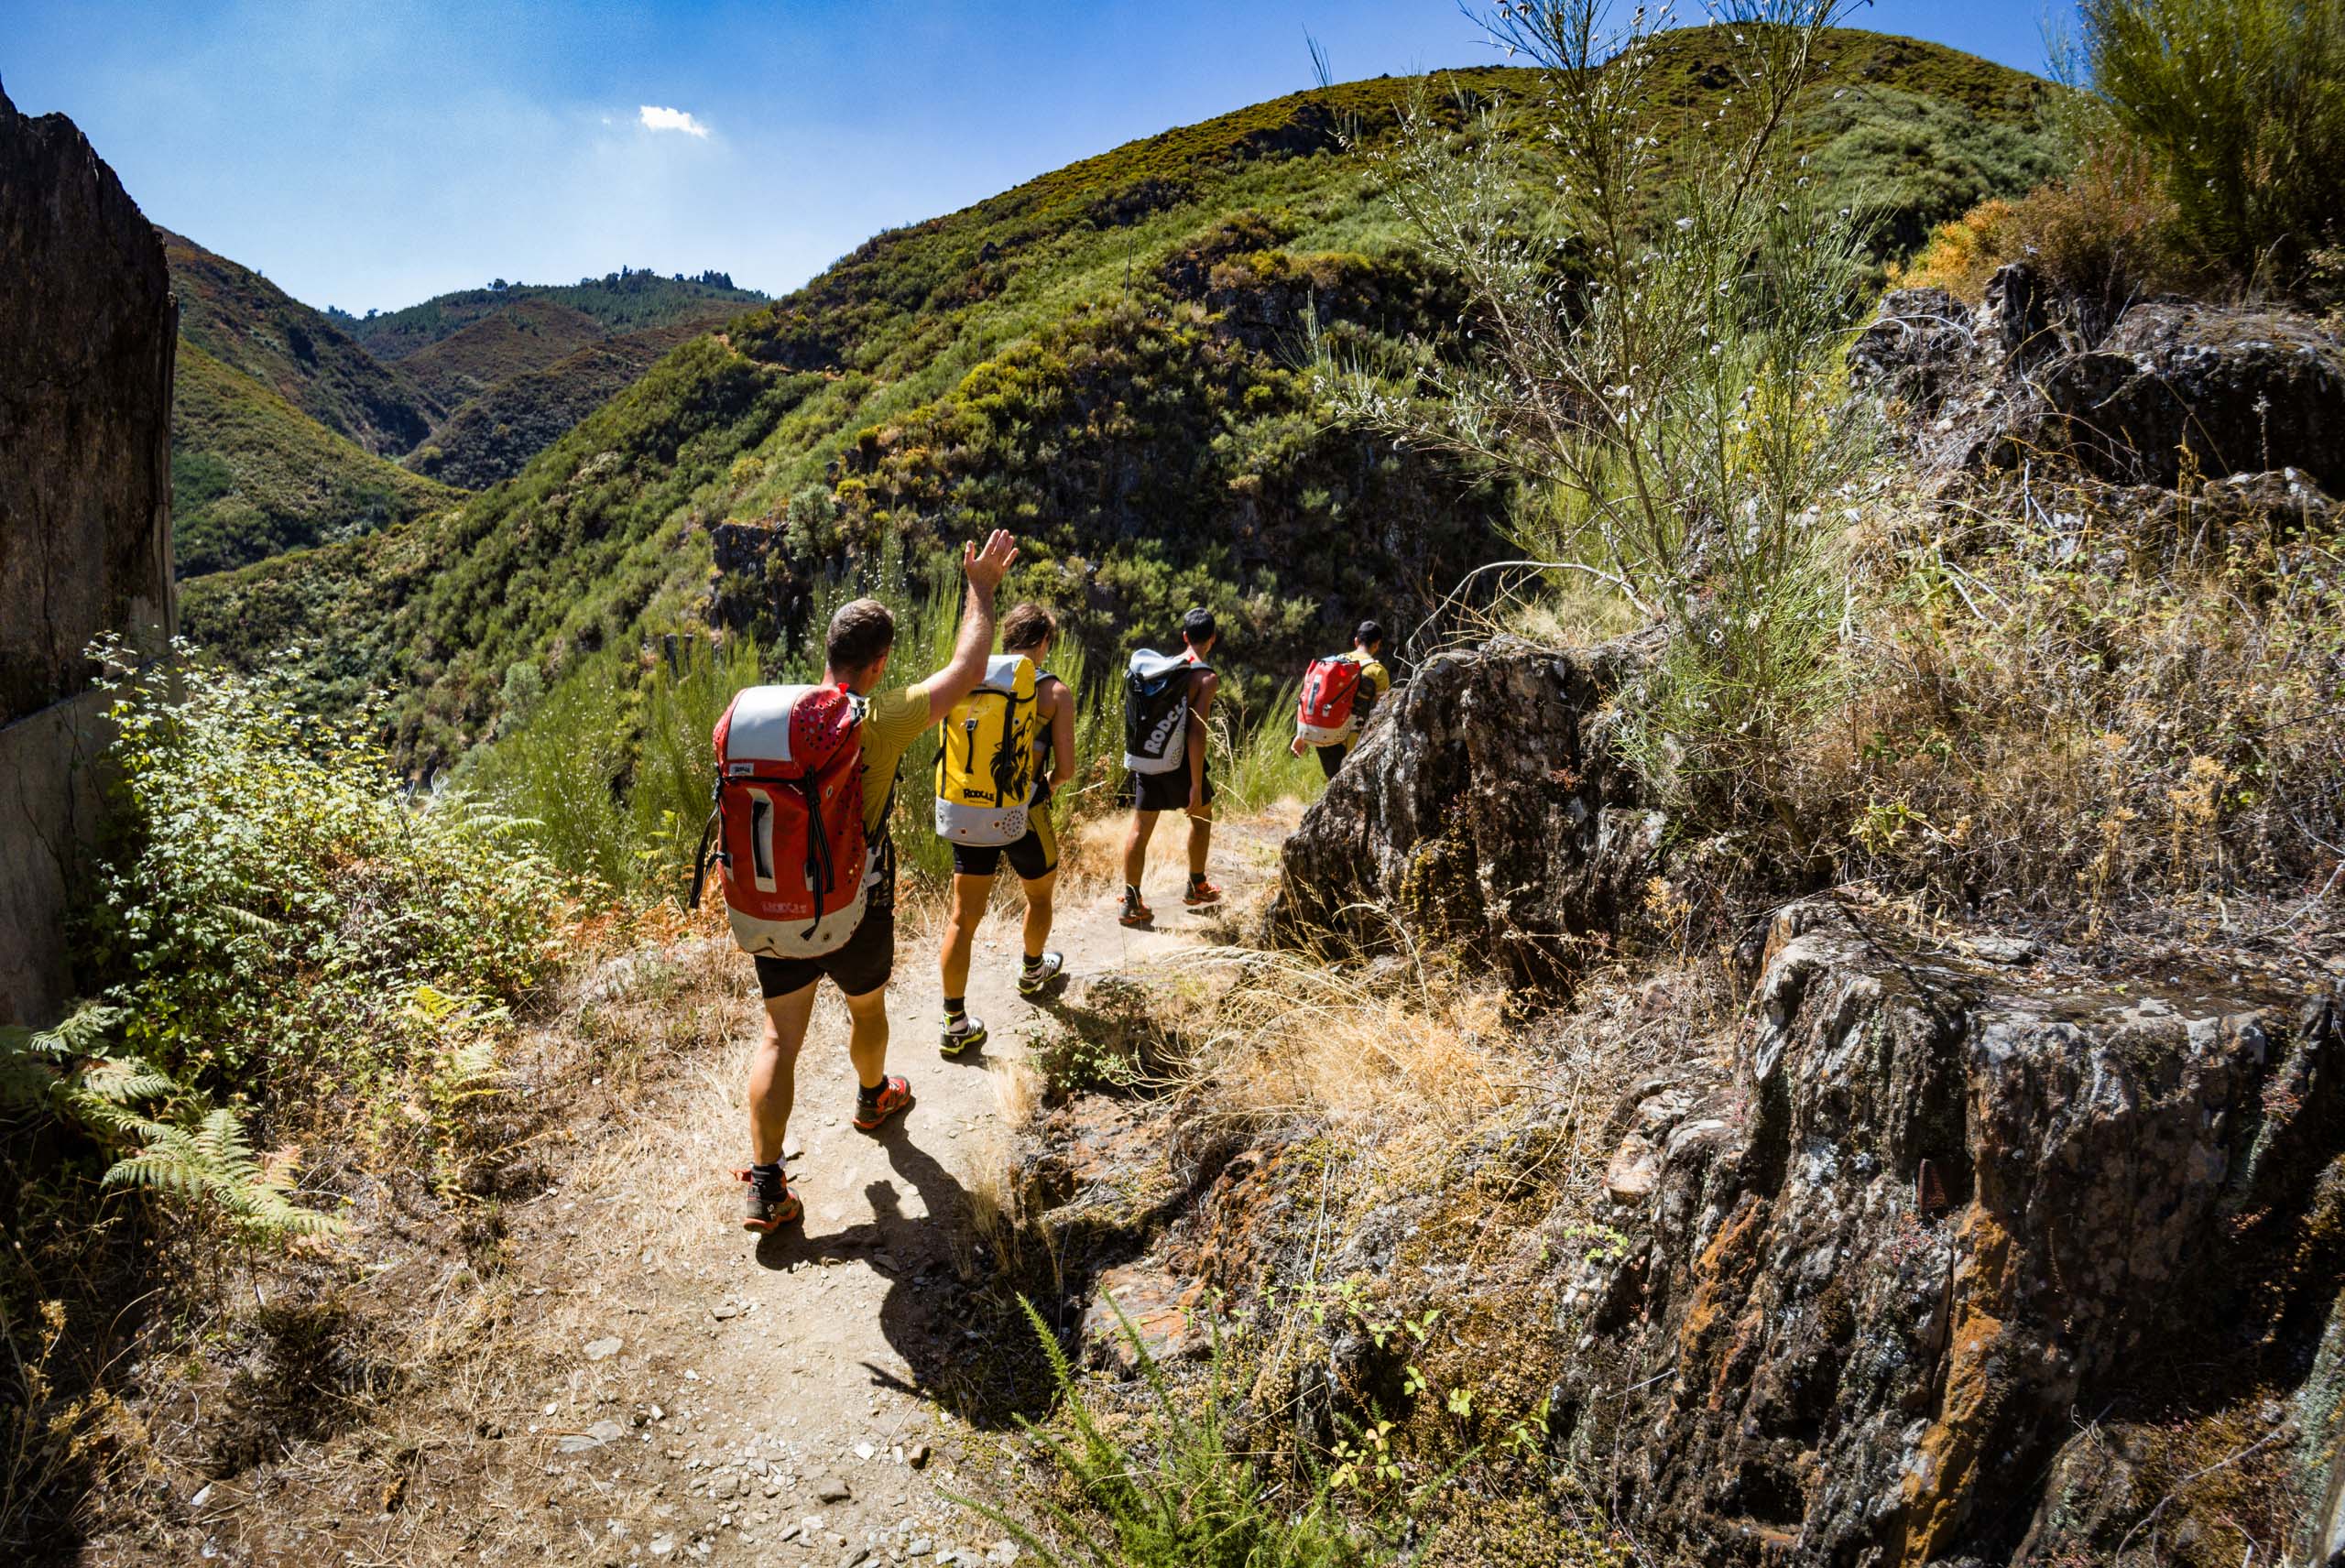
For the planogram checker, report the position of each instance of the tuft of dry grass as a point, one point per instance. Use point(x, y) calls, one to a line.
point(2106, 701)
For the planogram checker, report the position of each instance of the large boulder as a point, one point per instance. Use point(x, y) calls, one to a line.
point(1908, 1284)
point(87, 335)
point(2240, 390)
point(1485, 807)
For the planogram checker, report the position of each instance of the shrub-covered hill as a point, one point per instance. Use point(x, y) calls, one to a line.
point(1103, 359)
point(244, 322)
point(252, 475)
point(469, 361)
point(619, 303)
point(494, 434)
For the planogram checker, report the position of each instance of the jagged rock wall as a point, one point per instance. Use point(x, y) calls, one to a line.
point(87, 334)
point(2238, 388)
point(1880, 1289)
point(1485, 808)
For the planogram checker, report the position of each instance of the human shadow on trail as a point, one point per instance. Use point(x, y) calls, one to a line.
point(951, 1312)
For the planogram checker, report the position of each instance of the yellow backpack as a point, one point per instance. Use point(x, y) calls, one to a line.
point(984, 757)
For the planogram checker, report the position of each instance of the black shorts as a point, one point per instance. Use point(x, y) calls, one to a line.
point(1033, 858)
point(1167, 791)
point(1332, 758)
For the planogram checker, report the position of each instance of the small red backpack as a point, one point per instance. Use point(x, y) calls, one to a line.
point(789, 820)
point(1324, 717)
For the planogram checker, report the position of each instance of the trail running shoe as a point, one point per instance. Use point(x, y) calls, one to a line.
point(971, 1033)
point(895, 1094)
point(1031, 980)
point(1200, 893)
point(765, 1214)
point(1135, 913)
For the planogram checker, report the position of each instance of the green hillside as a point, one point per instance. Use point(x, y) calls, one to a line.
point(252, 475)
point(243, 320)
point(1103, 359)
point(624, 302)
point(491, 436)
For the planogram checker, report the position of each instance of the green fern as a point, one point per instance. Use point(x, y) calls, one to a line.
point(65, 1071)
point(213, 1162)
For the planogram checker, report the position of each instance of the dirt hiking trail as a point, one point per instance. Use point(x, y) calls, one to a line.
point(722, 1398)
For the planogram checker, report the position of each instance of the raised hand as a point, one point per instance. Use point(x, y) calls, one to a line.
point(986, 568)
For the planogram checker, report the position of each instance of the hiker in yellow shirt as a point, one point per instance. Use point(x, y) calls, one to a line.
point(1375, 681)
point(862, 635)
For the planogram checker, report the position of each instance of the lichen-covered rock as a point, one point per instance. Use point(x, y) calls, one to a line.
point(86, 349)
point(1947, 1215)
point(1485, 806)
point(2239, 389)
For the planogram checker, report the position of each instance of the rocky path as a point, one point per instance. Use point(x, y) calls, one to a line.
point(732, 1399)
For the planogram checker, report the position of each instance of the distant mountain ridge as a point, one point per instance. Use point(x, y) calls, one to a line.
point(287, 428)
point(250, 325)
point(628, 301)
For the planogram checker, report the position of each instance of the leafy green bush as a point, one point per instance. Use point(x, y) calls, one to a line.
point(2242, 102)
point(277, 897)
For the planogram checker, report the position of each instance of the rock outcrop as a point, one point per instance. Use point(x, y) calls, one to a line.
point(1485, 808)
point(87, 334)
point(1908, 1287)
point(2239, 389)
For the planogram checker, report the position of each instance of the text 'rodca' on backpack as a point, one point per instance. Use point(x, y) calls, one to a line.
point(1156, 710)
point(789, 820)
point(1324, 715)
point(984, 757)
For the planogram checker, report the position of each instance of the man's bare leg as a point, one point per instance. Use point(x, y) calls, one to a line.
point(773, 1072)
point(1136, 839)
point(867, 1043)
point(1041, 896)
point(967, 908)
point(1200, 841)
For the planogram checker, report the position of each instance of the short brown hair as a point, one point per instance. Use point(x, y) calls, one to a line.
point(1027, 626)
point(860, 632)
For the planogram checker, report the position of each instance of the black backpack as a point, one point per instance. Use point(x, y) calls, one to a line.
point(1156, 710)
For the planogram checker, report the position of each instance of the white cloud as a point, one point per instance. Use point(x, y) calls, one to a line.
point(657, 119)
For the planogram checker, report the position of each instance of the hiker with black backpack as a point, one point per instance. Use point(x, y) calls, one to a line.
point(1338, 693)
point(1167, 699)
point(806, 781)
point(1008, 743)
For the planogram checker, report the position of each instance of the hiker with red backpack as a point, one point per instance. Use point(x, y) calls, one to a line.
point(1338, 693)
point(806, 781)
point(1167, 699)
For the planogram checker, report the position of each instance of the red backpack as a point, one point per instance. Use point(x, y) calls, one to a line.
point(1324, 717)
point(789, 820)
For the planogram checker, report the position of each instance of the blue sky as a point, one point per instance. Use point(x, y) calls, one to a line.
point(373, 153)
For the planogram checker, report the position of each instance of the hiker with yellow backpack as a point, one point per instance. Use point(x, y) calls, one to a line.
point(1004, 747)
point(1338, 693)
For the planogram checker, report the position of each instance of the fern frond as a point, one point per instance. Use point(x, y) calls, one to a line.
point(161, 1170)
point(127, 1081)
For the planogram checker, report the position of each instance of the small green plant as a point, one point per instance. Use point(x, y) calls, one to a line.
point(1185, 1494)
point(463, 1069)
point(278, 896)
